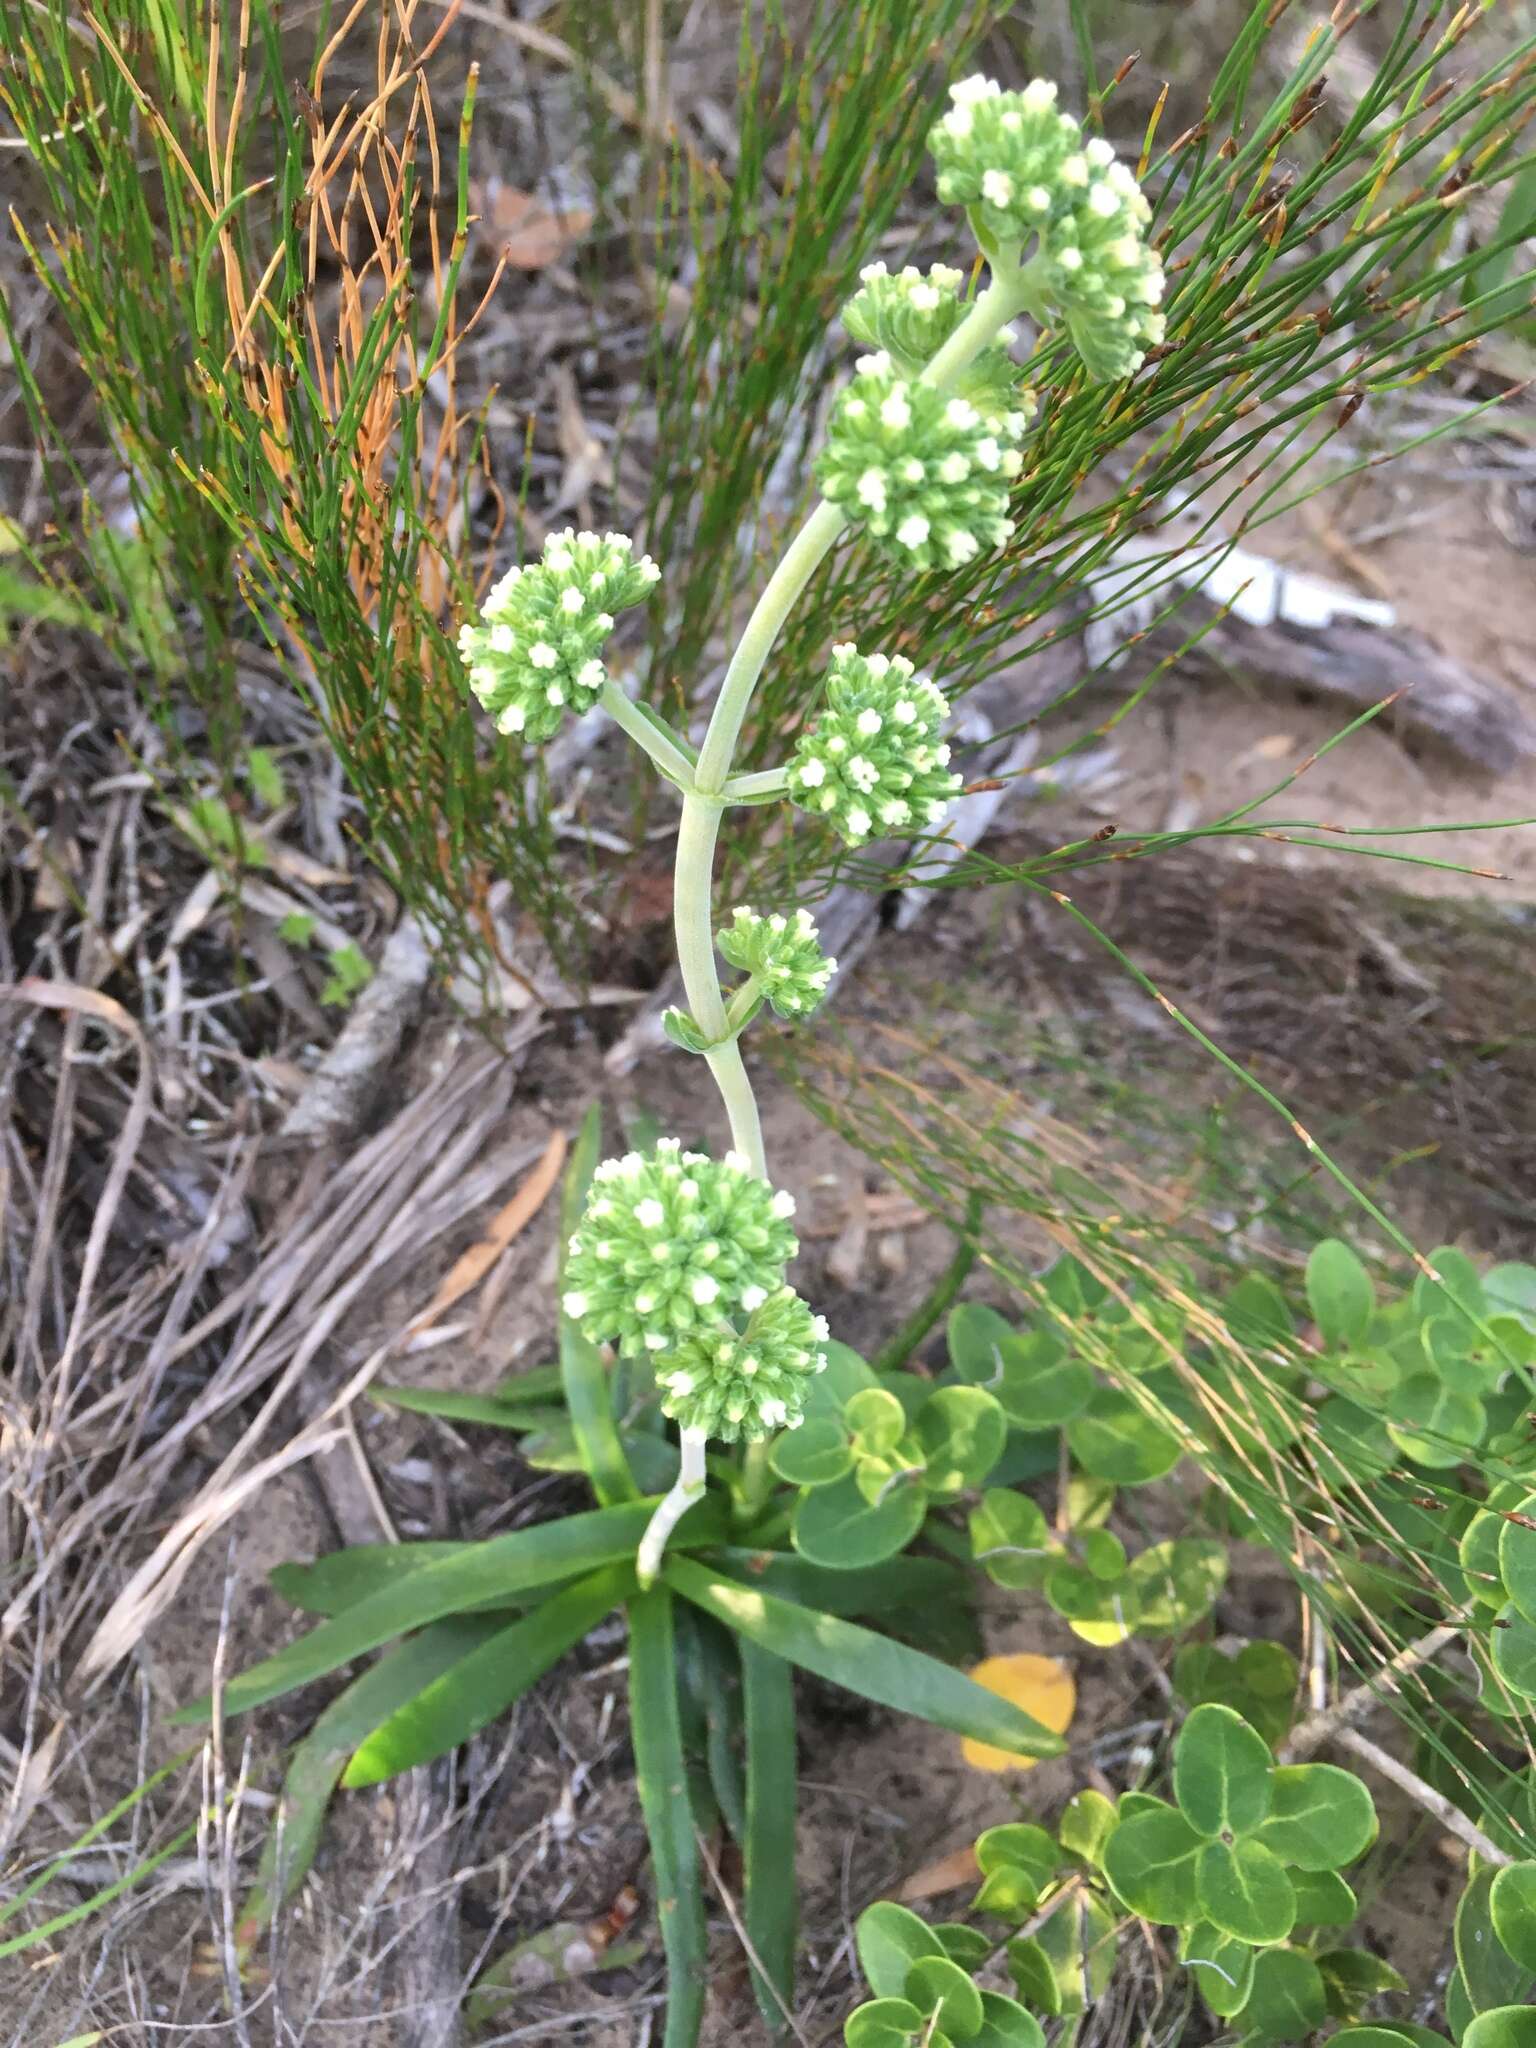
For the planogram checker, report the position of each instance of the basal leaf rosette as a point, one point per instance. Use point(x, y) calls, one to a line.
point(926, 475)
point(874, 762)
point(742, 1386)
point(535, 653)
point(671, 1245)
point(911, 313)
point(784, 956)
point(1026, 174)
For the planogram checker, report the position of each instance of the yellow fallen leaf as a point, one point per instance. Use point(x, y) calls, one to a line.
point(1041, 1686)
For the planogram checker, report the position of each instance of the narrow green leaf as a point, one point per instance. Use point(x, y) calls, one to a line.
point(661, 1774)
point(589, 1399)
point(865, 1663)
point(347, 1576)
point(913, 1583)
point(455, 1707)
point(456, 1407)
point(768, 1854)
point(502, 1568)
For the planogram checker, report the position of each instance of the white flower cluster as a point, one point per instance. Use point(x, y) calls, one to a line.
point(783, 953)
point(911, 313)
point(874, 761)
point(534, 655)
point(745, 1386)
point(926, 474)
point(1025, 172)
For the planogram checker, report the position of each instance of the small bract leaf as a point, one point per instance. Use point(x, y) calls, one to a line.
point(1019, 1845)
point(1321, 1817)
point(1243, 1889)
point(890, 1939)
point(1223, 1773)
point(1041, 1686)
point(1151, 1860)
point(1512, 1905)
point(1339, 1294)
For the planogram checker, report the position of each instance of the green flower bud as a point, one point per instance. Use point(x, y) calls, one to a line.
point(913, 313)
point(873, 762)
point(672, 1244)
point(785, 955)
point(1026, 174)
point(535, 653)
point(748, 1385)
point(927, 475)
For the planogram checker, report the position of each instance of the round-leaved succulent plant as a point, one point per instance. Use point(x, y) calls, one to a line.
point(672, 1245)
point(873, 762)
point(535, 652)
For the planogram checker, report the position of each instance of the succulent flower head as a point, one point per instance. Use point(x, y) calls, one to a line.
point(534, 655)
point(785, 955)
point(674, 1245)
point(874, 763)
point(748, 1384)
point(927, 475)
point(1026, 173)
point(911, 313)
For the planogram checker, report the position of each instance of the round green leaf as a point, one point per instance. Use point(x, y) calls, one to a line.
point(1223, 1775)
point(1242, 1888)
point(967, 1946)
point(1019, 1845)
point(1079, 1596)
point(1339, 1294)
point(1513, 1651)
point(1151, 1860)
point(1286, 2002)
point(890, 1939)
point(877, 1419)
point(1511, 1290)
point(836, 1526)
point(1321, 1817)
point(1221, 1966)
point(1517, 1555)
point(1079, 1945)
point(1033, 1977)
point(1382, 2037)
point(1042, 1386)
point(1114, 1439)
point(1323, 1899)
point(1431, 1424)
point(1505, 2026)
point(1011, 1540)
point(962, 1431)
point(1512, 1906)
point(1005, 2024)
point(817, 1453)
point(938, 1987)
point(1175, 1584)
point(1459, 1355)
point(1479, 1556)
point(975, 1335)
point(883, 2023)
point(1458, 1279)
point(1087, 1821)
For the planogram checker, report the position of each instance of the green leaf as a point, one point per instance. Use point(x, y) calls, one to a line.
point(1005, 2024)
point(503, 1568)
point(457, 1407)
point(817, 1453)
point(1242, 1888)
point(844, 1375)
point(1517, 1555)
point(975, 1336)
point(1221, 1966)
point(837, 1528)
point(1115, 1439)
point(964, 1945)
point(347, 1576)
point(962, 1431)
point(1017, 1862)
point(1079, 1944)
point(1512, 1908)
point(912, 1583)
point(1034, 1977)
point(1458, 1280)
point(1258, 1313)
point(1431, 1424)
point(1087, 1821)
point(1358, 1439)
point(351, 971)
point(1491, 1976)
point(1323, 1899)
point(1151, 1860)
point(1339, 1294)
point(661, 1776)
point(890, 1939)
point(1387, 2034)
point(771, 1903)
point(1502, 2026)
point(1287, 2001)
point(1223, 1773)
point(589, 1400)
point(865, 1663)
point(1321, 1817)
point(940, 1988)
point(1513, 1650)
point(1173, 1585)
point(1352, 1977)
point(1511, 1289)
point(1011, 1540)
point(883, 2023)
point(482, 1686)
point(1479, 1555)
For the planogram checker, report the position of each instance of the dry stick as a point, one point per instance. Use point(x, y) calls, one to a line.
point(1424, 1795)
